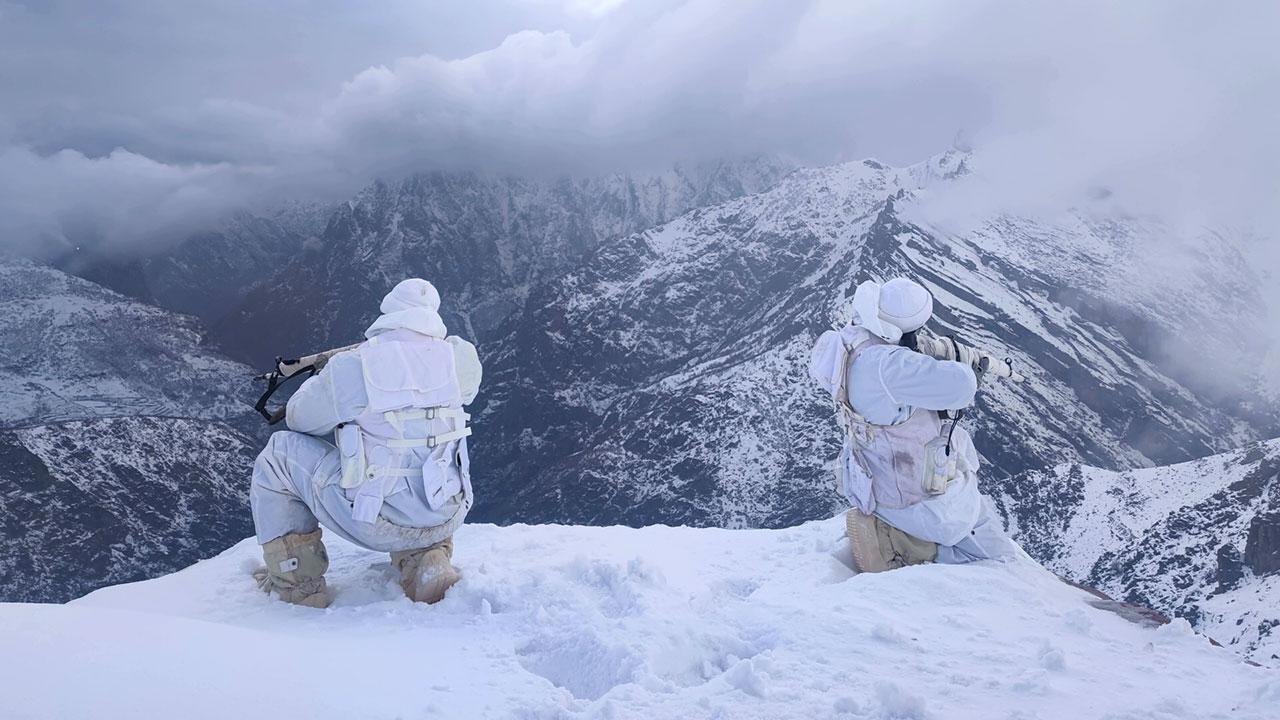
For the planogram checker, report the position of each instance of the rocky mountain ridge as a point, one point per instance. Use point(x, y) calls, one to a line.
point(126, 444)
point(664, 378)
point(1199, 540)
point(484, 241)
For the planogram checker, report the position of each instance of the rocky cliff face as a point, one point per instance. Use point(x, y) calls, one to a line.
point(1262, 548)
point(209, 272)
point(126, 446)
point(1195, 540)
point(483, 241)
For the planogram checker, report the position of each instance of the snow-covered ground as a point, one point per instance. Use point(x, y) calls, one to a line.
point(659, 622)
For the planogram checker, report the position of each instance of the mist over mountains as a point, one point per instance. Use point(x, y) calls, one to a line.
point(129, 126)
point(645, 341)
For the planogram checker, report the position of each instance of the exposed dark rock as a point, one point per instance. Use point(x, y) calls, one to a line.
point(1230, 567)
point(1262, 549)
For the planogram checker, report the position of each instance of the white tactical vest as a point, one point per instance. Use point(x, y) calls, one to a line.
point(892, 466)
point(413, 428)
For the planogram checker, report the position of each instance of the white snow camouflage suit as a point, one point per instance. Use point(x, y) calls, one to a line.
point(399, 477)
point(889, 385)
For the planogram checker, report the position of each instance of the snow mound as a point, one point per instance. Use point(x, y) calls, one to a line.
point(658, 622)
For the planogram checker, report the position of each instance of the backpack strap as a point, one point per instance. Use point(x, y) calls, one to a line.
point(852, 419)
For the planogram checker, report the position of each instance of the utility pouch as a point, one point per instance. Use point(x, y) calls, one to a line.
point(939, 466)
point(441, 479)
point(351, 449)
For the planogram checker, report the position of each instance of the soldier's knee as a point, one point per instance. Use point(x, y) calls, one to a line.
point(270, 463)
point(280, 445)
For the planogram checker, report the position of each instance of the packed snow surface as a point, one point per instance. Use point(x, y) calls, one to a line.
point(658, 622)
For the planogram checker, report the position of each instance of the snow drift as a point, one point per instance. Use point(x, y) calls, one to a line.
point(658, 622)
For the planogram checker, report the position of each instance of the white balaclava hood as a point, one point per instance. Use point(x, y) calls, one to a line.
point(411, 293)
point(905, 304)
point(413, 304)
point(891, 309)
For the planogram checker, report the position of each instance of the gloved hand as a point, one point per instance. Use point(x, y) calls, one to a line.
point(968, 355)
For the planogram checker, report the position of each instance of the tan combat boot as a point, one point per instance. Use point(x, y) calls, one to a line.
point(295, 569)
point(427, 573)
point(878, 546)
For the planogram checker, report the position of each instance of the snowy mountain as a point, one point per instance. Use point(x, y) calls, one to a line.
point(126, 445)
point(660, 622)
point(643, 369)
point(209, 272)
point(97, 502)
point(663, 379)
point(482, 240)
point(71, 349)
point(1200, 540)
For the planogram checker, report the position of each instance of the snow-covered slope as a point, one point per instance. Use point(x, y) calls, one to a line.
point(664, 378)
point(125, 446)
point(1199, 540)
point(661, 622)
point(71, 349)
point(95, 502)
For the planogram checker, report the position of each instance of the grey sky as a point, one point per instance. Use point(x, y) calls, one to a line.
point(127, 122)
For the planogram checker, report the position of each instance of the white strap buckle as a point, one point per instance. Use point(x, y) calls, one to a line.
point(409, 442)
point(443, 438)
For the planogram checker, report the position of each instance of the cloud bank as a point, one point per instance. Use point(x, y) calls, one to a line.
point(124, 125)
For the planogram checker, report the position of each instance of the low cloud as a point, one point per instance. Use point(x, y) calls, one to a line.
point(1172, 107)
point(59, 203)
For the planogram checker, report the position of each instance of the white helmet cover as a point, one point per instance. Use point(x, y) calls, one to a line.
point(896, 307)
point(411, 293)
point(905, 304)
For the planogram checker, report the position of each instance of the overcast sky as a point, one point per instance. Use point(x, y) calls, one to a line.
point(126, 122)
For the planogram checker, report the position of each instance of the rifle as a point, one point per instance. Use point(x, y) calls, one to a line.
point(287, 370)
point(941, 348)
point(948, 348)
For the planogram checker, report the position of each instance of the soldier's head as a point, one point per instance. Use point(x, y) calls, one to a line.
point(890, 309)
point(905, 304)
point(411, 293)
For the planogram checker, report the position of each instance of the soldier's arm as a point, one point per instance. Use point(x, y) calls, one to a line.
point(912, 378)
point(466, 363)
point(333, 397)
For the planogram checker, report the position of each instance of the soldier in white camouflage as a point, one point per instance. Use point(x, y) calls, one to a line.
point(910, 472)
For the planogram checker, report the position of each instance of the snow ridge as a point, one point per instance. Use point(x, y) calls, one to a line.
point(577, 622)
